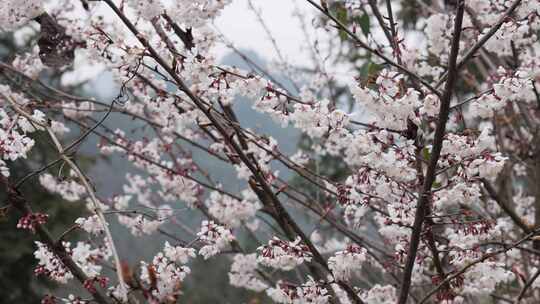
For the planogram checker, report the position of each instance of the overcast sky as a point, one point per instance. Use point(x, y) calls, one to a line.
point(239, 24)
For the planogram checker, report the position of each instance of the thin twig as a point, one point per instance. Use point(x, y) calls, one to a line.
point(527, 285)
point(493, 29)
point(375, 52)
point(480, 260)
point(504, 206)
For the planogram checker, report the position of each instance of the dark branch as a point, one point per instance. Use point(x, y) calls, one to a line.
point(422, 207)
point(19, 202)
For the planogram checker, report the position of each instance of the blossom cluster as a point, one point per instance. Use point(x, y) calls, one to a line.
point(344, 263)
point(15, 130)
point(215, 238)
point(284, 255)
point(86, 258)
point(17, 13)
point(167, 271)
point(243, 273)
point(309, 292)
point(231, 211)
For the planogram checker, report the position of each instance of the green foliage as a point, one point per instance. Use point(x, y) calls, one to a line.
point(409, 13)
point(342, 14)
point(364, 23)
point(426, 154)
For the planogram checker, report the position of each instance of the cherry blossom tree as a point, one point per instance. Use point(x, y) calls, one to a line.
point(440, 196)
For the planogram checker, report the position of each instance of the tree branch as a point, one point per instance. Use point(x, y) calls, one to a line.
point(480, 260)
point(425, 197)
point(493, 29)
point(16, 200)
point(96, 204)
point(527, 285)
point(209, 113)
point(504, 206)
point(375, 52)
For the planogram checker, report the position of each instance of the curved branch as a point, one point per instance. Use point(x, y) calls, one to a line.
point(96, 204)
